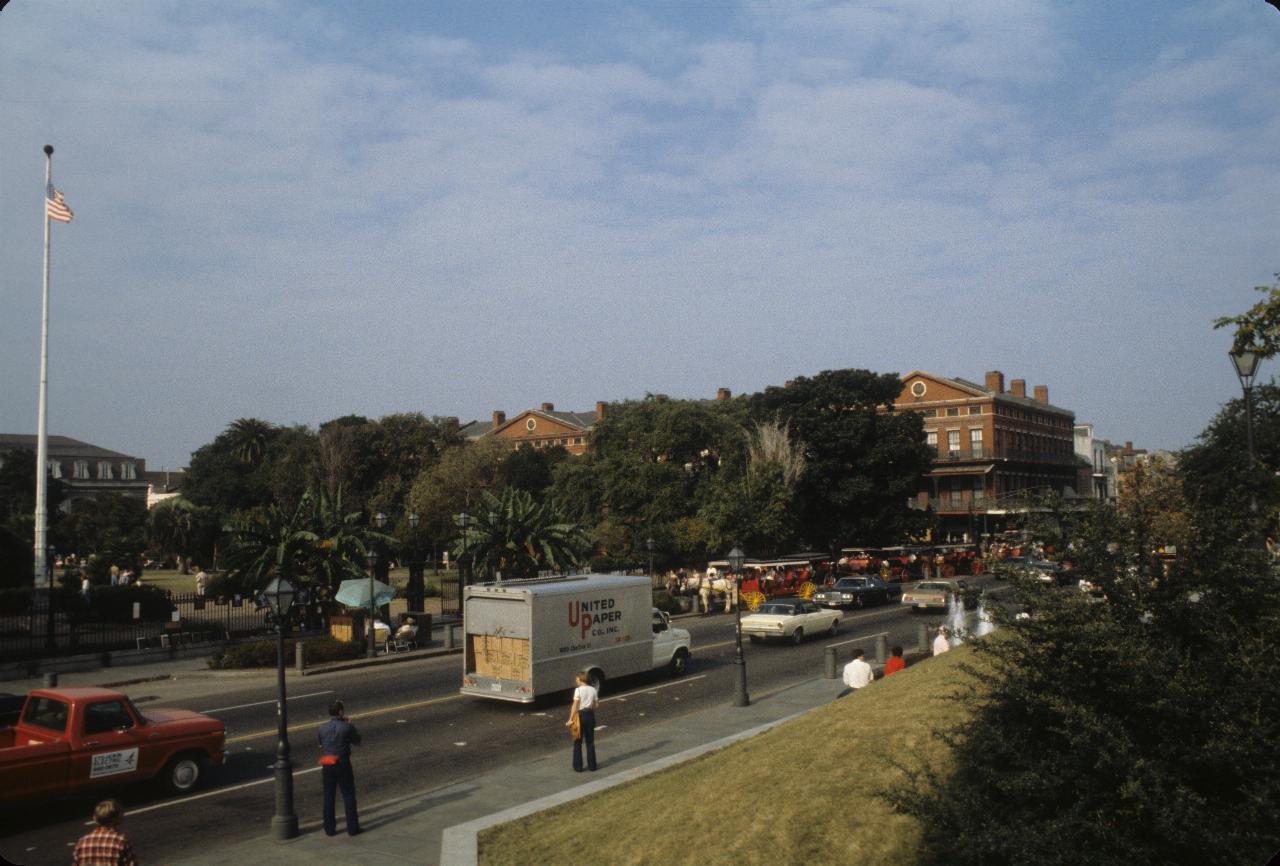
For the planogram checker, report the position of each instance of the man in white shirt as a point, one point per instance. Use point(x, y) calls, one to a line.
point(857, 673)
point(940, 643)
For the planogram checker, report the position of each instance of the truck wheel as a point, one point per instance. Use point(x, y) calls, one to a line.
point(797, 636)
point(755, 638)
point(835, 628)
point(679, 663)
point(596, 677)
point(182, 774)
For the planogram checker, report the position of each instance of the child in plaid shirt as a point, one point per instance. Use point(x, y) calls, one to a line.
point(104, 845)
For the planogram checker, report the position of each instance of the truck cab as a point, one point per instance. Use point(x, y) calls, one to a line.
point(670, 645)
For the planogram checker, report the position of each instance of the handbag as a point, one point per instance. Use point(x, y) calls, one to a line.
point(328, 760)
point(575, 727)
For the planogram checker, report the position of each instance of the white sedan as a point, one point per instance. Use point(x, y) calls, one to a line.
point(790, 619)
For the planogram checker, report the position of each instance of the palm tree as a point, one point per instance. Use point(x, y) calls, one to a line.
point(171, 526)
point(519, 537)
point(343, 538)
point(270, 541)
point(249, 438)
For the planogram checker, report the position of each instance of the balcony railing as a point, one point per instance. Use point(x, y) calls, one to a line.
point(978, 452)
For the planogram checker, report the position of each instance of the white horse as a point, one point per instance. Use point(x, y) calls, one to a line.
point(705, 585)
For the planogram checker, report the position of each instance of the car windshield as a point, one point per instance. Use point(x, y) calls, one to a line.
point(851, 583)
point(933, 587)
point(777, 609)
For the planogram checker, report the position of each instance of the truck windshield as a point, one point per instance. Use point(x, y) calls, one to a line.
point(47, 713)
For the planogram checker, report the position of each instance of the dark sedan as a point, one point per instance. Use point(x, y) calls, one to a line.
point(862, 591)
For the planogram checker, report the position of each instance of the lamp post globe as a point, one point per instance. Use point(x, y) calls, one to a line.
point(736, 559)
point(284, 823)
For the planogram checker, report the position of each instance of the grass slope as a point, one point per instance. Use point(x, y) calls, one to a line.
point(802, 792)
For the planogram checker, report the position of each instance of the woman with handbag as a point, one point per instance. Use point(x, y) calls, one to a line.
point(582, 722)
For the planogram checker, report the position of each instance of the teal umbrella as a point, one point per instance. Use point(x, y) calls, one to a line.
point(355, 593)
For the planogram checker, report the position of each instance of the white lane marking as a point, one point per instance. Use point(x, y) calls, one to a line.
point(655, 688)
point(215, 793)
point(264, 703)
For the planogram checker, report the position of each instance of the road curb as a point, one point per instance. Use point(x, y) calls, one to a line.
point(355, 664)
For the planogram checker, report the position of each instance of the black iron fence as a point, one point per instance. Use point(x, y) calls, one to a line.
point(70, 626)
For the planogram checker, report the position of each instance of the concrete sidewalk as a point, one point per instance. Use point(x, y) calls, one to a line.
point(439, 826)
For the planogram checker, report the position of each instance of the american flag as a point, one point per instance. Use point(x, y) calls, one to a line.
point(55, 206)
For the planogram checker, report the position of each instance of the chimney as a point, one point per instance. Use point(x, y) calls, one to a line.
point(1128, 446)
point(1042, 393)
point(995, 381)
point(548, 407)
point(499, 418)
point(601, 408)
point(1018, 387)
point(723, 394)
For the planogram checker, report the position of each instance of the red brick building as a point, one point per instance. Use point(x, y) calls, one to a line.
point(993, 447)
point(544, 427)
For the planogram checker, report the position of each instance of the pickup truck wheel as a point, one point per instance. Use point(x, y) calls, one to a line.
point(182, 774)
point(797, 636)
point(679, 663)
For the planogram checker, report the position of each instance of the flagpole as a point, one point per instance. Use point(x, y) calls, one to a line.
point(42, 430)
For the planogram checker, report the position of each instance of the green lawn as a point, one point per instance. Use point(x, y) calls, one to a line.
point(781, 797)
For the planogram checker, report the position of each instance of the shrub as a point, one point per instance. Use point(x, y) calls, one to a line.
point(262, 653)
point(115, 603)
point(15, 601)
point(664, 600)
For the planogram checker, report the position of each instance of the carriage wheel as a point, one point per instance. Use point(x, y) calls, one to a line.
point(753, 599)
point(807, 589)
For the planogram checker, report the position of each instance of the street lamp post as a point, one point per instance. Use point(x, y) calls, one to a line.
point(284, 823)
point(1246, 363)
point(371, 560)
point(417, 591)
point(740, 697)
point(489, 566)
point(463, 521)
point(648, 543)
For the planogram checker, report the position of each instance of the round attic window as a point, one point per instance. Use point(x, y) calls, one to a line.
point(918, 388)
point(530, 424)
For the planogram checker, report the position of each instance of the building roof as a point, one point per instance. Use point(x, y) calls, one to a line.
point(982, 391)
point(580, 420)
point(61, 447)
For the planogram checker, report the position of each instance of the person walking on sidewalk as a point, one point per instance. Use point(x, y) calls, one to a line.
point(857, 673)
point(104, 845)
point(895, 662)
point(584, 708)
point(336, 737)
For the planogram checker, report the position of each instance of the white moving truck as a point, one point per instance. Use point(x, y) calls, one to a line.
point(527, 638)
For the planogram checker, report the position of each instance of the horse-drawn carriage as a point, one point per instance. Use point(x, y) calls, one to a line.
point(913, 561)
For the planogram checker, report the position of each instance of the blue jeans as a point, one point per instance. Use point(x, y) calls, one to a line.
point(587, 719)
point(340, 776)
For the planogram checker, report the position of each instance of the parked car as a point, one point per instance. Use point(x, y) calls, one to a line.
point(858, 592)
point(790, 619)
point(938, 594)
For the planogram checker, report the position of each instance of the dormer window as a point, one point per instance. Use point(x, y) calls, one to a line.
point(104, 471)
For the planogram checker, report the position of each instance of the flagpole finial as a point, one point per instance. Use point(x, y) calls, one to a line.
point(48, 150)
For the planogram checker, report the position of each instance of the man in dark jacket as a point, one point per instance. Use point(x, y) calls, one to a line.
point(336, 737)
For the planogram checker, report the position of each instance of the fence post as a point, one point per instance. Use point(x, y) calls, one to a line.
point(880, 640)
point(299, 656)
point(448, 635)
point(922, 638)
point(50, 680)
point(829, 663)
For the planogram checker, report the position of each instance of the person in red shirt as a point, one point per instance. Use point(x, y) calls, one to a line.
point(104, 845)
point(895, 662)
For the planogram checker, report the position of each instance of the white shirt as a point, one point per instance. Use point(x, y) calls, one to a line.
point(941, 644)
point(586, 697)
point(857, 674)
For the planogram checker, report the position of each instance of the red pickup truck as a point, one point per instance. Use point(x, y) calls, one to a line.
point(75, 739)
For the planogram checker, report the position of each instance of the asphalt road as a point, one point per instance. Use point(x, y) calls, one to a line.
point(419, 734)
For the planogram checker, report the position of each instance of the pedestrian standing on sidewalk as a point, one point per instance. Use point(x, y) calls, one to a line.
point(336, 737)
point(940, 643)
point(895, 662)
point(584, 708)
point(857, 673)
point(104, 845)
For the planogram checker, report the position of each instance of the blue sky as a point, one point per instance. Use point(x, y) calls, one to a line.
point(297, 211)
